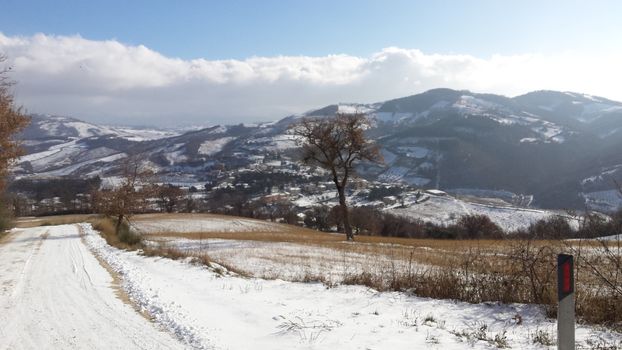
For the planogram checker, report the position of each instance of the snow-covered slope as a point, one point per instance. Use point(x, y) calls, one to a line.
point(44, 127)
point(447, 210)
point(542, 144)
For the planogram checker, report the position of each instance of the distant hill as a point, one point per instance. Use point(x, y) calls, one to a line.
point(561, 147)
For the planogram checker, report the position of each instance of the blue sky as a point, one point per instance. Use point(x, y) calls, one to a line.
point(209, 62)
point(239, 29)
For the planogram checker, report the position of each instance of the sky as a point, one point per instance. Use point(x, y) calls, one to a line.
point(174, 63)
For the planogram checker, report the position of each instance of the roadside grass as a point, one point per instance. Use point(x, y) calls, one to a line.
point(3, 235)
point(27, 222)
point(5, 224)
point(126, 239)
point(165, 250)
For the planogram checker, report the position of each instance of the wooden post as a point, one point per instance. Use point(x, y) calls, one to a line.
point(565, 295)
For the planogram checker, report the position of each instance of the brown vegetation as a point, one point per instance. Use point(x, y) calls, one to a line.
point(121, 202)
point(117, 236)
point(12, 121)
point(26, 222)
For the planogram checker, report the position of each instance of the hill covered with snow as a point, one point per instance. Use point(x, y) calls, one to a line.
point(562, 148)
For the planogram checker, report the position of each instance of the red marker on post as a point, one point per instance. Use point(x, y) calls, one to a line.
point(565, 295)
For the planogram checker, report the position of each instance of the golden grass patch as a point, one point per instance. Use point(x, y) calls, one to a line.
point(27, 222)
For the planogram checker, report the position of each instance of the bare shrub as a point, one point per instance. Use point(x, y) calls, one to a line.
point(543, 337)
point(129, 198)
point(599, 280)
point(478, 226)
point(164, 250)
point(536, 264)
point(554, 227)
point(6, 219)
point(124, 238)
point(317, 218)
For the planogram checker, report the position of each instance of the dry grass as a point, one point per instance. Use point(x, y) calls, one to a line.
point(26, 222)
point(107, 229)
point(167, 251)
point(164, 250)
point(4, 236)
point(431, 252)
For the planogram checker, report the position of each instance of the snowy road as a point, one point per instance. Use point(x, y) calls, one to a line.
point(54, 294)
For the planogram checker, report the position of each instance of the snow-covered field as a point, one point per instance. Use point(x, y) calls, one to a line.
point(206, 223)
point(205, 309)
point(55, 294)
point(447, 210)
point(293, 261)
point(212, 147)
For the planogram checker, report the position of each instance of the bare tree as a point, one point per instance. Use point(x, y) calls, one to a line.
point(12, 121)
point(169, 197)
point(337, 144)
point(129, 197)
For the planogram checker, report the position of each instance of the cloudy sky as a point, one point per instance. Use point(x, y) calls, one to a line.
point(201, 62)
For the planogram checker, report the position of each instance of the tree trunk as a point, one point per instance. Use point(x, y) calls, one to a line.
point(118, 226)
point(345, 214)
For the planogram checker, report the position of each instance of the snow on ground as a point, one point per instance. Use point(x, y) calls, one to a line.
point(605, 201)
point(39, 155)
point(275, 143)
point(470, 104)
point(57, 154)
point(54, 294)
point(72, 168)
point(140, 134)
point(414, 151)
point(447, 210)
point(416, 180)
point(611, 238)
point(394, 174)
point(205, 309)
point(392, 117)
point(212, 147)
point(291, 261)
point(205, 224)
point(388, 156)
point(351, 108)
point(175, 154)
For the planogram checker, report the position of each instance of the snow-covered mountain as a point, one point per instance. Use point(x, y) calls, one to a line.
point(561, 147)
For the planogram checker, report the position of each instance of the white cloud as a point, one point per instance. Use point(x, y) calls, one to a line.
point(114, 82)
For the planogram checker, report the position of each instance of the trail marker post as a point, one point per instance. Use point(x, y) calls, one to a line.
point(565, 297)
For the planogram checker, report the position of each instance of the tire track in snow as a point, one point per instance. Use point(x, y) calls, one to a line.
point(163, 314)
point(63, 299)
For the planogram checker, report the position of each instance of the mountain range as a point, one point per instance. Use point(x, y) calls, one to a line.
point(562, 148)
